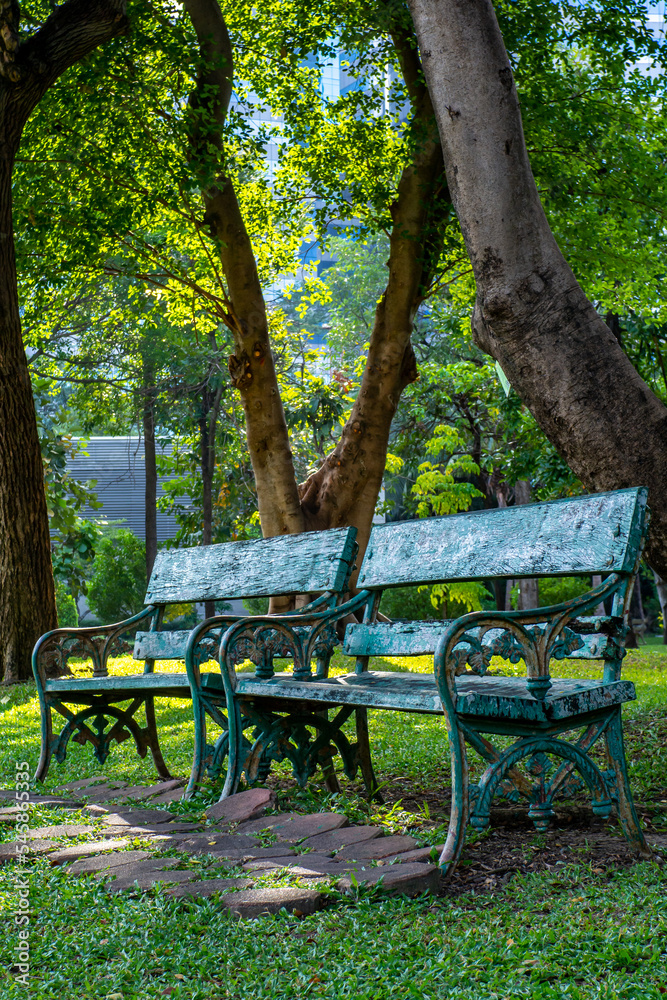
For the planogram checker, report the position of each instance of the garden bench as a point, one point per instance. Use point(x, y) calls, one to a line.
point(312, 563)
point(552, 726)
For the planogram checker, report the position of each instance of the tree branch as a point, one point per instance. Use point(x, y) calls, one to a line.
point(72, 31)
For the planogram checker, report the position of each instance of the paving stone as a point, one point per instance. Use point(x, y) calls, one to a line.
point(419, 854)
point(298, 827)
point(313, 864)
point(207, 887)
point(138, 867)
point(149, 830)
point(137, 793)
point(103, 793)
point(218, 843)
point(102, 861)
point(266, 822)
point(175, 795)
point(382, 847)
point(7, 793)
point(9, 817)
point(12, 850)
point(148, 879)
point(62, 830)
point(243, 806)
point(76, 851)
point(397, 880)
point(95, 810)
point(138, 817)
point(335, 840)
point(54, 802)
point(256, 902)
point(74, 786)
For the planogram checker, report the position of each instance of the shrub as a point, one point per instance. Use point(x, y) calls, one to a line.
point(118, 584)
point(68, 615)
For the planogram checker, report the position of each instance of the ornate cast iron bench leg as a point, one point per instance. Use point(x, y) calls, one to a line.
point(627, 815)
point(364, 757)
point(153, 741)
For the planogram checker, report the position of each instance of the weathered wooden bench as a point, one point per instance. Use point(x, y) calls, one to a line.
point(545, 719)
point(313, 563)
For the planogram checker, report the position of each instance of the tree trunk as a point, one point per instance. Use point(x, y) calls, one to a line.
point(27, 70)
point(345, 489)
point(27, 597)
point(530, 313)
point(151, 470)
point(661, 587)
point(529, 590)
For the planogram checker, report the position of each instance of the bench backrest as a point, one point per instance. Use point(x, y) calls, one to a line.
point(310, 563)
point(600, 533)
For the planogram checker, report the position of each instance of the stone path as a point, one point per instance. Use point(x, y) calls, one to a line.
point(124, 842)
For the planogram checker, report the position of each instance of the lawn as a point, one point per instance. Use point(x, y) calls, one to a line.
point(554, 918)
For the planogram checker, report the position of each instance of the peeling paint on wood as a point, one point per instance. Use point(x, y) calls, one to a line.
point(593, 534)
point(312, 562)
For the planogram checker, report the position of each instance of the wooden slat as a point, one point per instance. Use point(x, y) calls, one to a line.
point(420, 638)
point(491, 697)
point(161, 645)
point(313, 562)
point(597, 534)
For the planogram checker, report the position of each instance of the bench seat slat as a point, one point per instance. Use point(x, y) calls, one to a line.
point(583, 535)
point(419, 637)
point(489, 697)
point(166, 684)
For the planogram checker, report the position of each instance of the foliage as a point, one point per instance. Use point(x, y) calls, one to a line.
point(68, 615)
point(118, 583)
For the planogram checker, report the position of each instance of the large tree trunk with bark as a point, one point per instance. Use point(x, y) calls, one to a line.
point(27, 69)
point(531, 315)
point(150, 467)
point(345, 489)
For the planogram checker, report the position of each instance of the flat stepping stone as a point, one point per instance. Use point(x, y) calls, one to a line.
point(13, 850)
point(209, 886)
point(257, 902)
point(137, 793)
point(101, 862)
point(243, 806)
point(111, 830)
point(62, 830)
point(139, 867)
point(175, 795)
point(218, 843)
point(76, 851)
point(419, 854)
point(147, 880)
point(138, 817)
point(103, 795)
point(75, 786)
point(305, 861)
point(294, 827)
point(335, 840)
point(382, 847)
point(9, 813)
point(266, 822)
point(397, 880)
point(95, 810)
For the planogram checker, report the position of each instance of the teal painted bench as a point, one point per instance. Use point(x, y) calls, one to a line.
point(552, 725)
point(101, 708)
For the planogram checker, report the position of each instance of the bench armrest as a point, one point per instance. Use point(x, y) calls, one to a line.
point(260, 638)
point(95, 641)
point(535, 635)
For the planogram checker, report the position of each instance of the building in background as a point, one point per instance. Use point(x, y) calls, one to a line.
point(118, 465)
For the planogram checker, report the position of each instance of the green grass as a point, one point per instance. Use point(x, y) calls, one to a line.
point(576, 932)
